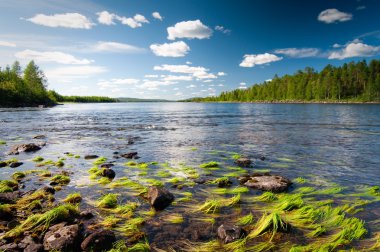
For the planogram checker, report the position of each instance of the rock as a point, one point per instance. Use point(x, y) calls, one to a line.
point(243, 162)
point(109, 173)
point(86, 214)
point(15, 164)
point(159, 198)
point(49, 189)
point(229, 233)
point(267, 182)
point(24, 148)
point(107, 165)
point(200, 180)
point(244, 178)
point(224, 183)
point(62, 238)
point(90, 156)
point(130, 155)
point(99, 241)
point(10, 247)
point(39, 137)
point(2, 164)
point(9, 197)
point(28, 244)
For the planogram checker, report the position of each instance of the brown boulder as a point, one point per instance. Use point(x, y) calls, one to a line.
point(99, 241)
point(159, 198)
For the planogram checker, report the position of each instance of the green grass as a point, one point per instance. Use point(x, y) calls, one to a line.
point(211, 206)
point(2, 142)
point(174, 218)
point(245, 220)
point(38, 159)
point(267, 197)
point(7, 185)
point(73, 198)
point(110, 221)
point(268, 222)
point(300, 180)
point(61, 179)
point(18, 175)
point(99, 161)
point(211, 164)
point(108, 201)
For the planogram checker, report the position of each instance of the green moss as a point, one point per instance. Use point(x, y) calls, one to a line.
point(7, 186)
point(300, 180)
point(60, 179)
point(38, 159)
point(163, 174)
point(99, 161)
point(131, 163)
point(236, 156)
point(126, 210)
point(110, 221)
point(108, 201)
point(18, 175)
point(211, 164)
point(59, 163)
point(73, 198)
point(2, 142)
point(5, 209)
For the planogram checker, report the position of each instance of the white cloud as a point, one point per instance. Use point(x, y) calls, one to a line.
point(106, 18)
point(197, 72)
point(134, 22)
point(74, 72)
point(191, 86)
point(157, 15)
point(116, 47)
point(222, 29)
point(333, 15)
point(250, 60)
point(336, 45)
point(151, 76)
point(140, 18)
point(298, 52)
point(7, 44)
point(67, 20)
point(188, 63)
point(153, 85)
point(242, 84)
point(207, 81)
point(189, 29)
point(51, 56)
point(222, 74)
point(179, 94)
point(355, 49)
point(177, 78)
point(242, 87)
point(115, 83)
point(220, 85)
point(175, 49)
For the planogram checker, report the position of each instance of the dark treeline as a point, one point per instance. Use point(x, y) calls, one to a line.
point(28, 87)
point(358, 82)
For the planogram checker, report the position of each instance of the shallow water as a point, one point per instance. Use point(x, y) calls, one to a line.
point(324, 143)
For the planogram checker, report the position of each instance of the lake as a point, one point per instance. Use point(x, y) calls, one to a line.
point(334, 145)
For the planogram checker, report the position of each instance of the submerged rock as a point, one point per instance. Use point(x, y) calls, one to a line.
point(109, 173)
point(90, 156)
point(229, 233)
point(243, 162)
point(86, 214)
point(159, 198)
point(130, 155)
point(267, 182)
point(9, 197)
point(61, 237)
point(15, 164)
point(224, 183)
point(39, 137)
point(3, 164)
point(28, 244)
point(99, 241)
point(107, 165)
point(24, 148)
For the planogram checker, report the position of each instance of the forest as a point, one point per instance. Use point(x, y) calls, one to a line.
point(351, 82)
point(28, 87)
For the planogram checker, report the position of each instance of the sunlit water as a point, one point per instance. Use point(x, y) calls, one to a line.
point(327, 143)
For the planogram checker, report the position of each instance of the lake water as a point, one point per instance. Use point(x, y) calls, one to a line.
point(330, 144)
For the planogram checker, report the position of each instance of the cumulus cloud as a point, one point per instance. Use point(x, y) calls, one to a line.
point(106, 18)
point(222, 74)
point(190, 30)
point(222, 29)
point(333, 16)
point(66, 20)
point(151, 76)
point(157, 15)
point(115, 83)
point(250, 60)
point(175, 49)
point(51, 56)
point(7, 44)
point(74, 72)
point(298, 52)
point(196, 72)
point(109, 46)
point(355, 49)
point(177, 78)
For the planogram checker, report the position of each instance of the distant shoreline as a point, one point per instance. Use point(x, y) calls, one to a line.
point(290, 102)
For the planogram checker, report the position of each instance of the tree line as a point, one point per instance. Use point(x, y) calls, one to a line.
point(350, 82)
point(28, 87)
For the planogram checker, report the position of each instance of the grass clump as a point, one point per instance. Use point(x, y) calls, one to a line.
point(18, 175)
point(60, 179)
point(108, 201)
point(8, 186)
point(73, 198)
point(267, 197)
point(126, 210)
point(38, 159)
point(100, 161)
point(268, 222)
point(300, 180)
point(110, 221)
point(2, 142)
point(174, 219)
point(211, 206)
point(211, 164)
point(245, 220)
point(289, 202)
point(59, 163)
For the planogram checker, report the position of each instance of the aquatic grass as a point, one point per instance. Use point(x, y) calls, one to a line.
point(205, 219)
point(211, 164)
point(11, 160)
point(330, 191)
point(104, 181)
point(99, 161)
point(245, 220)
point(110, 221)
point(236, 156)
point(18, 175)
point(140, 247)
point(267, 197)
point(59, 163)
point(289, 202)
point(236, 246)
point(131, 163)
point(300, 180)
point(108, 201)
point(268, 222)
point(131, 226)
point(176, 180)
point(210, 246)
point(263, 247)
point(152, 182)
point(224, 180)
point(2, 142)
point(174, 218)
point(232, 201)
point(211, 206)
point(5, 209)
point(73, 198)
point(126, 210)
point(45, 163)
point(374, 190)
point(38, 159)
point(7, 186)
point(305, 190)
point(28, 198)
point(60, 179)
point(44, 221)
point(45, 174)
point(163, 174)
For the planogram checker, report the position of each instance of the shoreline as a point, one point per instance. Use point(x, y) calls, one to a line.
point(291, 102)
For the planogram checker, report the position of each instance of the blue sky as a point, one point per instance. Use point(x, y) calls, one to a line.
point(179, 49)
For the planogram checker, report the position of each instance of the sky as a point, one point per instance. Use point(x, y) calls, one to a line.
point(177, 49)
